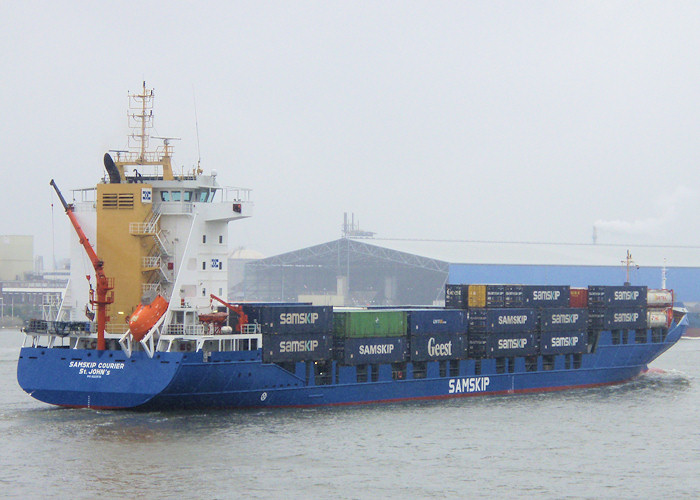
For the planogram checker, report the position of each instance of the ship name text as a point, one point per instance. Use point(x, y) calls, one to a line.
point(471, 384)
point(94, 369)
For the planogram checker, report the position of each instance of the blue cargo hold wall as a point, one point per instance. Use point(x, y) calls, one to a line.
point(684, 281)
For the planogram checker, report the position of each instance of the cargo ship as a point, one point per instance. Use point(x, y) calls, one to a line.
point(152, 328)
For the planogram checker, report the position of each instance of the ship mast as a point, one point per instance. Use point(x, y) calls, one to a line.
point(141, 118)
point(628, 261)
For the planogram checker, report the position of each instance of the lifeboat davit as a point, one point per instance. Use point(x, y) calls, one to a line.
point(146, 315)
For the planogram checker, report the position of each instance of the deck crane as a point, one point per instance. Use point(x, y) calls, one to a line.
point(235, 308)
point(103, 283)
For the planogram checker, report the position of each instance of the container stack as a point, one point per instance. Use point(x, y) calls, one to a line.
point(293, 332)
point(437, 334)
point(523, 320)
point(617, 307)
point(456, 296)
point(370, 336)
point(563, 330)
point(499, 332)
point(659, 308)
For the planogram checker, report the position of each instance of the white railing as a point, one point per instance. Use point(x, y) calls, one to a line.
point(218, 343)
point(175, 207)
point(183, 330)
point(151, 287)
point(150, 262)
point(230, 193)
point(250, 328)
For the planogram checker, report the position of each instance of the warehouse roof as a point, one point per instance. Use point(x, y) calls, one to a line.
point(486, 252)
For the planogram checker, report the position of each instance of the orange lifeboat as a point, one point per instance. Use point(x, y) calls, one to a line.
point(146, 315)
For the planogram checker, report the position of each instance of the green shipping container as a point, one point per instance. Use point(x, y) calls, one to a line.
point(381, 323)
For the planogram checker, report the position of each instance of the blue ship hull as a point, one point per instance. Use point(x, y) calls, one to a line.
point(240, 379)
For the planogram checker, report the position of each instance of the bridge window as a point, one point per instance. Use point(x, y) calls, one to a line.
point(165, 195)
point(188, 196)
point(176, 195)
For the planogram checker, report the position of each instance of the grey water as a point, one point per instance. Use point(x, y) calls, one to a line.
point(636, 440)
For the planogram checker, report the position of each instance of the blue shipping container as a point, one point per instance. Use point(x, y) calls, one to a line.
point(621, 318)
point(564, 319)
point(546, 295)
point(300, 347)
point(456, 296)
point(617, 296)
point(438, 346)
point(502, 320)
point(514, 296)
point(360, 351)
point(564, 342)
point(437, 321)
point(288, 319)
point(511, 344)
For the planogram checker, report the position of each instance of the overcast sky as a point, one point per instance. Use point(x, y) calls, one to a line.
point(448, 120)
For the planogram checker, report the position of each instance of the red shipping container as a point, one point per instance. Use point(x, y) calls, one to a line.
point(579, 297)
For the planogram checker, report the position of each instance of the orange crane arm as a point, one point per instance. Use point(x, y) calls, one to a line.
point(102, 282)
point(242, 317)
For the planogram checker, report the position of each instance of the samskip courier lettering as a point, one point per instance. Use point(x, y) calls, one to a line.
point(93, 369)
point(512, 320)
point(471, 384)
point(298, 318)
point(95, 364)
point(559, 319)
point(298, 345)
